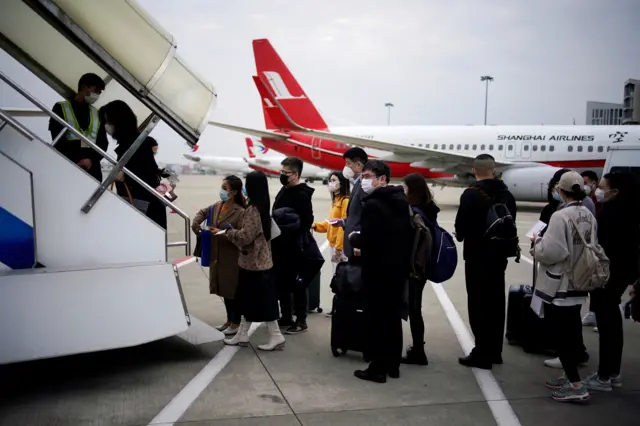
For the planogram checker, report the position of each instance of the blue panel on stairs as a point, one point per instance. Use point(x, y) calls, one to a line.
point(17, 248)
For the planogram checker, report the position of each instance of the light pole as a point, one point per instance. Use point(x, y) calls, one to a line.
point(487, 79)
point(389, 105)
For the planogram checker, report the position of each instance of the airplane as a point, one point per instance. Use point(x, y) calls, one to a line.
point(256, 161)
point(526, 156)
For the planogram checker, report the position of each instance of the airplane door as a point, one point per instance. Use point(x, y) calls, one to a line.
point(525, 150)
point(510, 150)
point(316, 143)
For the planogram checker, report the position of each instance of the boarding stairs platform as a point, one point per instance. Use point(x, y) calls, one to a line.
point(81, 269)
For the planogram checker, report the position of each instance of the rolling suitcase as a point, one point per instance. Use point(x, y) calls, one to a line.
point(348, 331)
point(313, 295)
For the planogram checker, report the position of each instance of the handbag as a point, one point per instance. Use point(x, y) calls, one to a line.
point(205, 240)
point(141, 205)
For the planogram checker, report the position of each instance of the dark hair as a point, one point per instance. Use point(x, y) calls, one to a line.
point(553, 182)
point(485, 157)
point(235, 184)
point(626, 184)
point(577, 192)
point(121, 116)
point(90, 80)
point(589, 174)
point(418, 193)
point(356, 154)
point(258, 194)
point(345, 187)
point(293, 163)
point(379, 168)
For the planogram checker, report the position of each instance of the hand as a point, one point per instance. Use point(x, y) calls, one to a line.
point(120, 176)
point(533, 238)
point(356, 252)
point(85, 164)
point(337, 223)
point(213, 229)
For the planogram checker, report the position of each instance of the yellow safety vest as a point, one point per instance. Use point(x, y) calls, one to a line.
point(70, 117)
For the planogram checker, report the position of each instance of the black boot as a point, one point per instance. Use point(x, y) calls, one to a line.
point(415, 356)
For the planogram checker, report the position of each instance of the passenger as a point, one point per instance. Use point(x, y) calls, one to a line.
point(223, 264)
point(590, 185)
point(122, 124)
point(385, 243)
point(421, 201)
point(619, 236)
point(555, 298)
point(484, 269)
point(257, 294)
point(286, 248)
point(80, 113)
point(339, 189)
point(553, 197)
point(355, 158)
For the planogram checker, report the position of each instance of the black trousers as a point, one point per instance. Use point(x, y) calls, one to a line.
point(293, 297)
point(486, 303)
point(416, 321)
point(233, 313)
point(384, 337)
point(606, 304)
point(567, 327)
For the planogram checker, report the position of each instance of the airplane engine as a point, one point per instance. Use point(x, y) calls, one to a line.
point(529, 183)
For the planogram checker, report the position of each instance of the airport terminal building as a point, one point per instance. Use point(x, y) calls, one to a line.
point(611, 114)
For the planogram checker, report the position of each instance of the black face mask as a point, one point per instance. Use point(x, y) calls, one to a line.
point(284, 179)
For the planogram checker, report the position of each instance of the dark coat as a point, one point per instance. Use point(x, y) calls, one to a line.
point(471, 219)
point(354, 214)
point(143, 165)
point(385, 242)
point(223, 265)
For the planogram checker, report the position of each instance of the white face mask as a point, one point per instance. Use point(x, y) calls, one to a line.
point(334, 186)
point(367, 186)
point(587, 189)
point(109, 129)
point(348, 173)
point(600, 194)
point(92, 98)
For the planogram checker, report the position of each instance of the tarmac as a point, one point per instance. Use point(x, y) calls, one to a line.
point(174, 382)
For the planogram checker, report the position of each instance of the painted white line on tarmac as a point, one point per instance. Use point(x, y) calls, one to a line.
point(183, 400)
point(498, 403)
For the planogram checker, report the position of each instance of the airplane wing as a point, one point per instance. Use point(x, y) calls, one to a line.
point(253, 132)
point(25, 112)
point(436, 160)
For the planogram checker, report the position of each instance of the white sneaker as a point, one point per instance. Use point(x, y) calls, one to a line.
point(594, 382)
point(555, 363)
point(589, 319)
point(276, 339)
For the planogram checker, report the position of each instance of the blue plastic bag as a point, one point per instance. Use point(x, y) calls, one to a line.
point(206, 240)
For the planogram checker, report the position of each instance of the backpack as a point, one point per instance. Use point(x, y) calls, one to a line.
point(501, 231)
point(420, 258)
point(444, 254)
point(591, 270)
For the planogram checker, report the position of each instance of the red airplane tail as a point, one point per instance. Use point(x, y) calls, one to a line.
point(272, 70)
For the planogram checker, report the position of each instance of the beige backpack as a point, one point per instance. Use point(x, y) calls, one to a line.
point(591, 270)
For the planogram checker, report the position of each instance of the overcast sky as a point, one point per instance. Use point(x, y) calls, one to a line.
point(548, 58)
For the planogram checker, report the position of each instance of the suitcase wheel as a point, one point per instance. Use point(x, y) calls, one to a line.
point(319, 310)
point(335, 352)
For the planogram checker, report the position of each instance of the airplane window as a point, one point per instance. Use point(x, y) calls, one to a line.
point(459, 147)
point(579, 148)
point(543, 147)
point(420, 145)
point(500, 148)
point(590, 148)
point(466, 146)
point(490, 147)
point(510, 147)
point(552, 148)
point(600, 149)
point(427, 145)
point(451, 146)
point(482, 147)
point(534, 148)
point(570, 148)
point(608, 148)
point(475, 147)
point(526, 147)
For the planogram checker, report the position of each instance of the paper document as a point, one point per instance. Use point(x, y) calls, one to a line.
point(224, 231)
point(536, 229)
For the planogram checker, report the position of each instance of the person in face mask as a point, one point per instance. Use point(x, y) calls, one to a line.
point(590, 185)
point(385, 241)
point(354, 159)
point(79, 112)
point(286, 248)
point(223, 266)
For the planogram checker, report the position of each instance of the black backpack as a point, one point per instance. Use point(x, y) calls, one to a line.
point(422, 242)
point(501, 231)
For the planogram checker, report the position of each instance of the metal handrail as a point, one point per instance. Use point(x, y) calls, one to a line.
point(25, 132)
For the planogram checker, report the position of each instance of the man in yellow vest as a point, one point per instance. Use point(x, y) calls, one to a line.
point(80, 113)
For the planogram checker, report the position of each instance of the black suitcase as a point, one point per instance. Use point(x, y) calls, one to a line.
point(313, 295)
point(515, 312)
point(348, 332)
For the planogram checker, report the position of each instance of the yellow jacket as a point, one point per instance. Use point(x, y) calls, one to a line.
point(335, 235)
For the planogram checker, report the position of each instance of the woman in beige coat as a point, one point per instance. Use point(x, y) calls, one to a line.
point(223, 266)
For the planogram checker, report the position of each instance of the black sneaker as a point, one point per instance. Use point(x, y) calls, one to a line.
point(297, 328)
point(415, 356)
